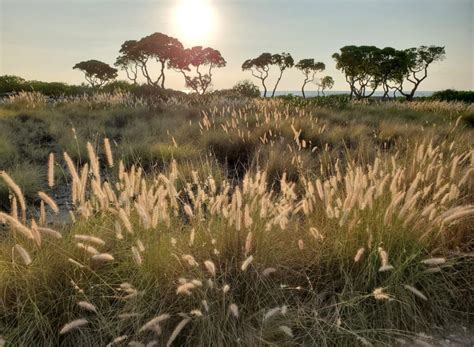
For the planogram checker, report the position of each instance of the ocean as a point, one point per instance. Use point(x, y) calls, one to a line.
point(311, 93)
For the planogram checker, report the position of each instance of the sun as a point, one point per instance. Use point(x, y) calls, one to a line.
point(195, 20)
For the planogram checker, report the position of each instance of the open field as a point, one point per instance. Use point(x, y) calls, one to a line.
point(234, 221)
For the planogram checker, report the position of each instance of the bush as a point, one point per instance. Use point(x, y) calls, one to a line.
point(454, 95)
point(246, 88)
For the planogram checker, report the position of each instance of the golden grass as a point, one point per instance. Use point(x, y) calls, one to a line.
point(208, 250)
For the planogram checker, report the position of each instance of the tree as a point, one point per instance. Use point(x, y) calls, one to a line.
point(136, 56)
point(283, 61)
point(163, 49)
point(132, 59)
point(10, 84)
point(417, 63)
point(246, 88)
point(391, 68)
point(259, 67)
point(360, 66)
point(97, 73)
point(327, 82)
point(198, 57)
point(309, 68)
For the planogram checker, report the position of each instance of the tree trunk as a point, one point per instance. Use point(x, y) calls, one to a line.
point(276, 84)
point(162, 75)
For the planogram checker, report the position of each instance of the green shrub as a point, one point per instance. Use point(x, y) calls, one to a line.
point(247, 89)
point(454, 95)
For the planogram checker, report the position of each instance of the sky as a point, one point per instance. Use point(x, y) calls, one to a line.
point(43, 39)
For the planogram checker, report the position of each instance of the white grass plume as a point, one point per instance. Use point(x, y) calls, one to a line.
point(415, 291)
point(108, 152)
point(51, 170)
point(152, 323)
point(50, 232)
point(359, 254)
point(88, 238)
point(211, 268)
point(177, 330)
point(75, 324)
point(103, 257)
point(25, 256)
point(17, 191)
point(246, 263)
point(286, 330)
point(434, 261)
point(137, 258)
point(89, 249)
point(72, 261)
point(87, 306)
point(234, 309)
point(49, 201)
point(190, 260)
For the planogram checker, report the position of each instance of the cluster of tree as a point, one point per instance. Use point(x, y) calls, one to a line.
point(137, 58)
point(367, 68)
point(260, 68)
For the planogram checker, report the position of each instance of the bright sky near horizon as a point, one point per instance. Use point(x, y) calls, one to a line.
point(43, 39)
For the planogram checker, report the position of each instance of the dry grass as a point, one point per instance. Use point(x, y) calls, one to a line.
point(359, 247)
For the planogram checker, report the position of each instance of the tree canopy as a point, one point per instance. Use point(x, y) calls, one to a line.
point(137, 56)
point(309, 68)
point(97, 73)
point(259, 67)
point(326, 82)
point(417, 62)
point(198, 58)
point(368, 67)
point(283, 61)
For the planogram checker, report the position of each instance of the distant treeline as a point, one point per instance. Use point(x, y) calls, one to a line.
point(10, 84)
point(14, 84)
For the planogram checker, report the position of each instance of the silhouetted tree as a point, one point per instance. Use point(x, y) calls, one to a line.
point(137, 55)
point(283, 61)
point(197, 57)
point(132, 59)
point(327, 82)
point(418, 61)
point(360, 66)
point(259, 67)
point(246, 88)
point(163, 49)
point(97, 73)
point(392, 65)
point(309, 68)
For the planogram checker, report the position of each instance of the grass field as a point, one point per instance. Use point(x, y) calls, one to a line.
point(234, 222)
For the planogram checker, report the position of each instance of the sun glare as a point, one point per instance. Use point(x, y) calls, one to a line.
point(195, 20)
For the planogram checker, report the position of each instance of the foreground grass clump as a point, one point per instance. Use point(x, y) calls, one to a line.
point(368, 250)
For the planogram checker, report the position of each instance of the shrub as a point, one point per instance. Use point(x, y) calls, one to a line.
point(247, 89)
point(232, 150)
point(454, 95)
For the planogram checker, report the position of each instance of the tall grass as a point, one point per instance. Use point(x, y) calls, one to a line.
point(360, 245)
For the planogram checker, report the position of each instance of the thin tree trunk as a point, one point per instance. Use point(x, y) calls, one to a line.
point(276, 84)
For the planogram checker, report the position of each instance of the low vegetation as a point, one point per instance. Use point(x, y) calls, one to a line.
point(234, 221)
